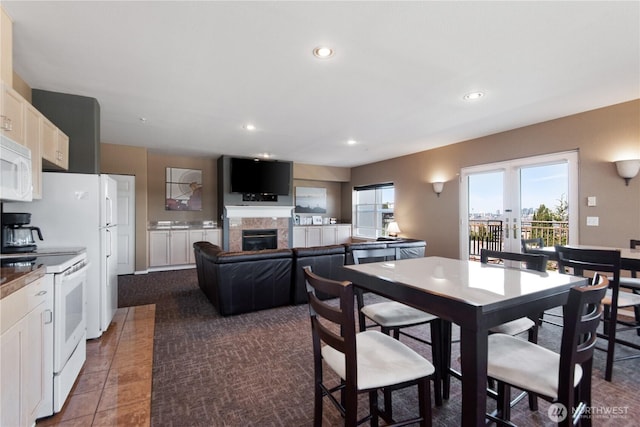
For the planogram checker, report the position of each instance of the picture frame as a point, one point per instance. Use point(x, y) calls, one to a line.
point(183, 189)
point(316, 220)
point(311, 200)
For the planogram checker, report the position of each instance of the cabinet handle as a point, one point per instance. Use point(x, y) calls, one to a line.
point(39, 294)
point(48, 317)
point(6, 123)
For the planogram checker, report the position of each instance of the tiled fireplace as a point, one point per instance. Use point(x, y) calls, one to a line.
point(254, 218)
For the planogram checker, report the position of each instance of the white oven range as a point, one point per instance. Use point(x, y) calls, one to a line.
point(65, 336)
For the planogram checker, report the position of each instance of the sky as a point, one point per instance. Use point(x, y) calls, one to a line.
point(539, 184)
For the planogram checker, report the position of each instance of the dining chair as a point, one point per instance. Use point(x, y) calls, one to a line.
point(534, 262)
point(361, 360)
point(561, 378)
point(576, 261)
point(515, 327)
point(393, 316)
point(633, 283)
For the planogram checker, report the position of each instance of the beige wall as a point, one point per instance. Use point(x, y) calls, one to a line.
point(126, 160)
point(156, 191)
point(601, 136)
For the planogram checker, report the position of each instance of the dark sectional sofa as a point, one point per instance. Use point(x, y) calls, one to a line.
point(241, 282)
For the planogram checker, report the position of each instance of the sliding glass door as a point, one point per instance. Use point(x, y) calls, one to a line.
point(505, 202)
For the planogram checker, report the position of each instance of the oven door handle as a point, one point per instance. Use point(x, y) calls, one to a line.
point(78, 272)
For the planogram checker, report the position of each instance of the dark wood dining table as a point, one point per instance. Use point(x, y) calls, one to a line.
point(472, 295)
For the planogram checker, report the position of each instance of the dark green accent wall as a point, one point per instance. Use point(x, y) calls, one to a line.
point(79, 118)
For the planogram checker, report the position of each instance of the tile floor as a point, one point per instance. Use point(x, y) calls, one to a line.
point(114, 386)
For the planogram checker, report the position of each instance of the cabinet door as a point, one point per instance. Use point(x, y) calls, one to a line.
point(179, 244)
point(62, 156)
point(299, 237)
point(213, 236)
point(12, 342)
point(314, 236)
point(12, 112)
point(32, 138)
point(158, 248)
point(34, 354)
point(49, 140)
point(194, 236)
point(343, 233)
point(328, 235)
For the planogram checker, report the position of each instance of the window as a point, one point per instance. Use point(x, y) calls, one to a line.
point(373, 209)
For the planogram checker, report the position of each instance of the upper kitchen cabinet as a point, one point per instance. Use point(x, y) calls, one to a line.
point(55, 147)
point(78, 117)
point(6, 48)
point(12, 114)
point(33, 141)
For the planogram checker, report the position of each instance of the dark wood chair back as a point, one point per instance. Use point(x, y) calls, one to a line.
point(535, 262)
point(333, 326)
point(582, 315)
point(580, 261)
point(361, 256)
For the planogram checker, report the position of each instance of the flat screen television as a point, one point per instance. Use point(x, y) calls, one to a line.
point(260, 176)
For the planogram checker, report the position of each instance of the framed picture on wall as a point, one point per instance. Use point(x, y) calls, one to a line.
point(311, 200)
point(184, 189)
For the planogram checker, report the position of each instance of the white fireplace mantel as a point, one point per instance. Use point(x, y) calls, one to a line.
point(234, 211)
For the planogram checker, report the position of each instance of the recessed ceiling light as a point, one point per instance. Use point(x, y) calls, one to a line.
point(323, 52)
point(473, 96)
point(352, 142)
point(249, 126)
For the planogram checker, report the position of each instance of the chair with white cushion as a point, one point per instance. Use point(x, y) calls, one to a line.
point(633, 283)
point(562, 378)
point(392, 316)
point(576, 261)
point(361, 360)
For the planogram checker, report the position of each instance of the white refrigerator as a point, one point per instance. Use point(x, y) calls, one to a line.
point(80, 210)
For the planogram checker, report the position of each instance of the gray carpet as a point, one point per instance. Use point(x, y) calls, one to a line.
point(256, 369)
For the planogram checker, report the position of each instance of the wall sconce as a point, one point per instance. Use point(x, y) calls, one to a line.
point(627, 169)
point(437, 187)
point(393, 229)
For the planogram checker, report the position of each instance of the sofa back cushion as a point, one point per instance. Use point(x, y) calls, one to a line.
point(326, 261)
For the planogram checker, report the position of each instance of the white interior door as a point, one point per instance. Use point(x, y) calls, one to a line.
point(505, 202)
point(126, 223)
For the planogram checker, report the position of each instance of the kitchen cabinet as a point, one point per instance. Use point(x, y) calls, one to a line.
point(321, 235)
point(24, 367)
point(200, 235)
point(12, 114)
point(175, 247)
point(179, 247)
point(6, 48)
point(159, 248)
point(33, 141)
point(55, 146)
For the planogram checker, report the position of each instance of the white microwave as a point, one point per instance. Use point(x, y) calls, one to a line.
point(15, 171)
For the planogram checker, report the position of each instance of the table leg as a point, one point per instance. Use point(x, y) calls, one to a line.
point(473, 359)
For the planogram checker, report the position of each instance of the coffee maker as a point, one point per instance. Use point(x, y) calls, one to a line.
point(17, 234)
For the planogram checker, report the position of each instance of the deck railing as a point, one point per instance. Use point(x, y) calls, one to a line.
point(488, 233)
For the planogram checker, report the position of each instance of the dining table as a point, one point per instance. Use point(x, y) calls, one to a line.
point(473, 296)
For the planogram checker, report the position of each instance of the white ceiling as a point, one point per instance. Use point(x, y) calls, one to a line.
point(199, 71)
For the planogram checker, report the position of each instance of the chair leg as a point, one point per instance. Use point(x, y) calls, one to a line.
point(351, 408)
point(610, 333)
point(373, 407)
point(424, 402)
point(317, 406)
point(504, 401)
